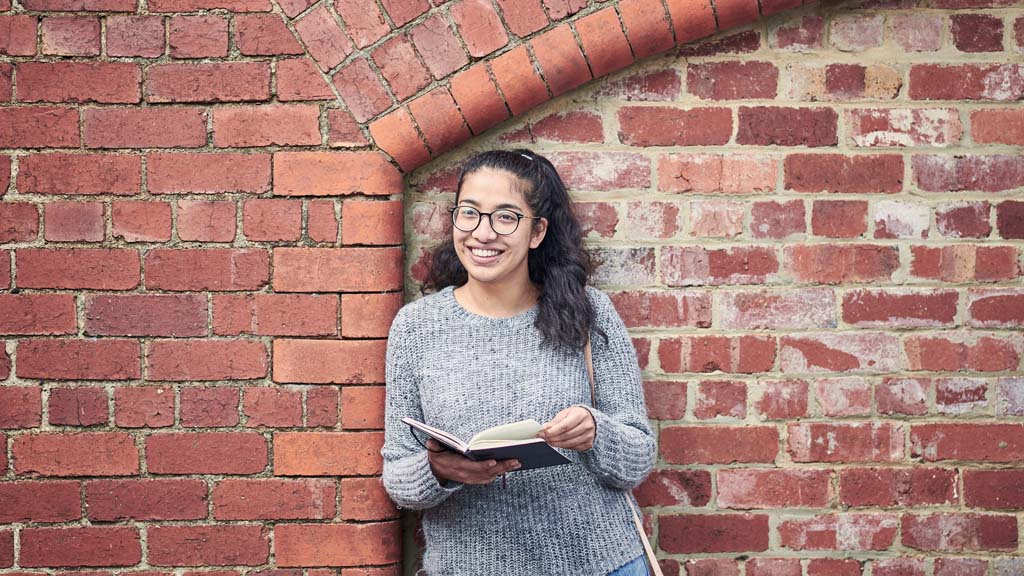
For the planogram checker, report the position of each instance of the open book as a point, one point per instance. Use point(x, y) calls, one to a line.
point(517, 440)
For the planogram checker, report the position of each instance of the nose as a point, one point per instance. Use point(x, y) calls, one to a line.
point(484, 231)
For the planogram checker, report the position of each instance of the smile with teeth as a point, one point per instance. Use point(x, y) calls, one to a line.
point(482, 253)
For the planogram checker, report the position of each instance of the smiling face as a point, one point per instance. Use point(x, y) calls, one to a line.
point(489, 257)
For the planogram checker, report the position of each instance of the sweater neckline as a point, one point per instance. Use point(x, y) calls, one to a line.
point(525, 317)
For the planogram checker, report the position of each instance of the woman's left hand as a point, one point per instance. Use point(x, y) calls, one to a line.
point(573, 428)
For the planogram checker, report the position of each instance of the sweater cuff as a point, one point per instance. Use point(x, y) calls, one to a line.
point(417, 487)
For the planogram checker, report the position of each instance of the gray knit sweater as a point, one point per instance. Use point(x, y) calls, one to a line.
point(463, 373)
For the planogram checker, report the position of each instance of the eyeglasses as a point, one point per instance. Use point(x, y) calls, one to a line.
point(504, 222)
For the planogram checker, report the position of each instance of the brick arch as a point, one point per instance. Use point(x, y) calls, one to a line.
point(406, 76)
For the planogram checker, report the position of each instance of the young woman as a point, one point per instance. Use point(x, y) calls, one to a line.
point(500, 341)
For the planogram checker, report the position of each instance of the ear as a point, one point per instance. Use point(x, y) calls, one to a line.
point(539, 231)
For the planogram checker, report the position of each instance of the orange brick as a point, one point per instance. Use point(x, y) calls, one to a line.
point(368, 222)
point(183, 173)
point(368, 315)
point(323, 224)
point(478, 98)
point(396, 135)
point(270, 220)
point(648, 31)
point(440, 120)
point(604, 42)
point(334, 173)
point(560, 59)
point(337, 269)
point(327, 454)
point(518, 80)
point(365, 499)
point(692, 20)
point(329, 361)
point(732, 13)
point(337, 544)
point(362, 407)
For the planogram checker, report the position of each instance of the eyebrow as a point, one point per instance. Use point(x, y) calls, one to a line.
point(499, 207)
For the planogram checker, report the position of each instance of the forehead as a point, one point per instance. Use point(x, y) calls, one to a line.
point(491, 187)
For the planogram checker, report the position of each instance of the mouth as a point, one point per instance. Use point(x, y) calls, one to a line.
point(484, 255)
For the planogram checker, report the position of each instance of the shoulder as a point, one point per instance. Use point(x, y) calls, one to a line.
point(601, 302)
point(419, 313)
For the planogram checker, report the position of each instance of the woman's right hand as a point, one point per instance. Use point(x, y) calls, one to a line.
point(448, 465)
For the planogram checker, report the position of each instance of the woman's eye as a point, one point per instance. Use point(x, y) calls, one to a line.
point(467, 212)
point(506, 217)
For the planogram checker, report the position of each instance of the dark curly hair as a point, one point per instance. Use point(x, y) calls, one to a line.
point(560, 266)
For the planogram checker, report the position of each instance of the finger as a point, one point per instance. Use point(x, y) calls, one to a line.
point(571, 420)
point(545, 430)
point(571, 435)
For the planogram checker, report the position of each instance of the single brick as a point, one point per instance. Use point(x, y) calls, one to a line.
point(839, 352)
point(400, 67)
point(208, 82)
point(222, 172)
point(135, 36)
point(272, 220)
point(664, 126)
point(57, 173)
point(771, 125)
point(198, 37)
point(216, 269)
point(145, 315)
point(74, 222)
point(206, 221)
point(141, 221)
point(143, 406)
point(362, 90)
point(101, 82)
point(145, 128)
point(264, 35)
point(732, 80)
point(440, 48)
point(78, 268)
point(364, 22)
point(326, 43)
point(480, 27)
point(977, 32)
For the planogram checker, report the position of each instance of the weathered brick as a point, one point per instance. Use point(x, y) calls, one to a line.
point(959, 395)
point(362, 407)
point(57, 173)
point(343, 130)
point(994, 173)
point(655, 220)
point(203, 407)
point(740, 43)
point(777, 219)
point(963, 219)
point(222, 172)
point(208, 82)
point(42, 501)
point(83, 454)
point(675, 488)
point(439, 120)
point(960, 567)
point(19, 35)
point(92, 546)
point(682, 266)
point(770, 488)
point(886, 308)
point(964, 262)
point(993, 489)
point(337, 269)
point(871, 442)
point(206, 221)
point(839, 218)
point(19, 221)
point(841, 264)
point(721, 398)
point(283, 125)
point(22, 407)
point(700, 533)
point(334, 173)
point(997, 126)
point(206, 453)
point(560, 59)
point(337, 544)
point(210, 269)
point(839, 352)
point(181, 360)
point(37, 314)
point(38, 127)
point(649, 31)
point(962, 351)
point(149, 499)
point(74, 222)
point(78, 268)
point(996, 308)
point(714, 173)
point(958, 532)
point(915, 32)
point(272, 220)
point(135, 36)
point(299, 79)
point(197, 5)
point(782, 399)
point(897, 219)
point(800, 34)
point(142, 221)
point(664, 126)
point(143, 406)
point(365, 499)
point(982, 442)
point(897, 486)
point(327, 453)
point(101, 82)
point(519, 81)
point(273, 499)
point(272, 407)
point(732, 80)
point(663, 309)
point(400, 67)
point(844, 174)
point(145, 315)
point(337, 361)
point(322, 406)
point(78, 406)
point(437, 44)
point(754, 310)
point(976, 32)
point(198, 36)
point(361, 89)
point(364, 22)
point(1001, 82)
point(870, 127)
point(210, 545)
point(719, 444)
point(478, 98)
point(846, 532)
point(781, 126)
point(855, 32)
point(264, 35)
point(275, 314)
point(895, 395)
point(368, 315)
point(603, 42)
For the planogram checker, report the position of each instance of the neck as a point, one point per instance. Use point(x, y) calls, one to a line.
point(497, 300)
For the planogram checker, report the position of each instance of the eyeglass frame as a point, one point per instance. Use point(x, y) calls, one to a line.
point(490, 222)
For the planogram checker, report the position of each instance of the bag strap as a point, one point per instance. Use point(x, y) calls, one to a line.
point(652, 560)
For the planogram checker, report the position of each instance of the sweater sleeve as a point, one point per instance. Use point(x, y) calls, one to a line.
point(407, 476)
point(624, 448)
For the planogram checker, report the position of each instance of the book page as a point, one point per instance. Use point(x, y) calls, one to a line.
point(522, 430)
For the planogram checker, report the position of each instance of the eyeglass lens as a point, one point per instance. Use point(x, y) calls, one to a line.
point(467, 219)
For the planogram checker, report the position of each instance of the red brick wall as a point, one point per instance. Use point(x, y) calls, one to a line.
point(201, 248)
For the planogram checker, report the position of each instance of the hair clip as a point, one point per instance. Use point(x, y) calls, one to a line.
point(527, 156)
